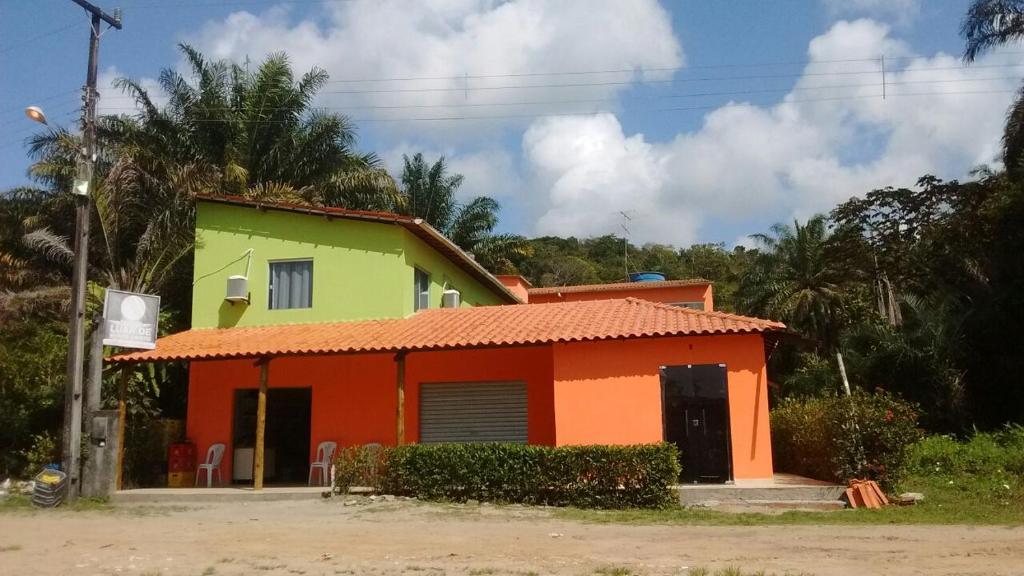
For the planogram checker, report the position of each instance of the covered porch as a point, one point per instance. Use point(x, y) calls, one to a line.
point(550, 374)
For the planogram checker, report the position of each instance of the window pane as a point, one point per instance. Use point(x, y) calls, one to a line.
point(291, 284)
point(421, 290)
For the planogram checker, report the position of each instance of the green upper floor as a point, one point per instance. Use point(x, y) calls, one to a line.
point(304, 264)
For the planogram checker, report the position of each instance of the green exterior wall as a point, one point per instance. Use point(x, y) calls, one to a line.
point(361, 270)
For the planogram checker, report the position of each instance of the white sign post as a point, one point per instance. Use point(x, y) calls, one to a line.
point(131, 319)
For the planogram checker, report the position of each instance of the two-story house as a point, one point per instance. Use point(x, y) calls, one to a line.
point(323, 324)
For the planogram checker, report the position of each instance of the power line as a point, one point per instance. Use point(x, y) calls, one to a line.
point(614, 100)
point(874, 70)
point(37, 37)
point(24, 131)
point(644, 82)
point(228, 3)
point(39, 100)
point(593, 112)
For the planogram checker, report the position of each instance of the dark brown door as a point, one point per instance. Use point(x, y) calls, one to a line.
point(696, 413)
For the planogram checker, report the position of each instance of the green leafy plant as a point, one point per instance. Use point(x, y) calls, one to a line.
point(42, 452)
point(839, 438)
point(584, 476)
point(359, 466)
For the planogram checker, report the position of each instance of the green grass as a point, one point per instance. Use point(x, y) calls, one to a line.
point(949, 499)
point(23, 503)
point(15, 502)
point(613, 571)
point(731, 571)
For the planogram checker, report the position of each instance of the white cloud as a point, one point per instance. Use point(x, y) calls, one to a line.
point(489, 171)
point(440, 42)
point(899, 11)
point(114, 101)
point(795, 158)
point(743, 168)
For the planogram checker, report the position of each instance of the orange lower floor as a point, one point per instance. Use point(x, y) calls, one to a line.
point(607, 392)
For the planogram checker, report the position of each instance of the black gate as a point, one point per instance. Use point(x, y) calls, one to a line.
point(695, 408)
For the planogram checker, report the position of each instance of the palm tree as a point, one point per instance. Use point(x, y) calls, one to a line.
point(796, 278)
point(988, 24)
point(258, 130)
point(428, 192)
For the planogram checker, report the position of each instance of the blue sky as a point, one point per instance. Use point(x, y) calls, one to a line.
point(723, 117)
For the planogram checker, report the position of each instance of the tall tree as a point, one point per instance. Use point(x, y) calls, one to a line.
point(258, 130)
point(989, 24)
point(797, 279)
point(429, 192)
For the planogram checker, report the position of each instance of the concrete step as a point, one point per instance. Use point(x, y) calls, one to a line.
point(774, 506)
point(699, 494)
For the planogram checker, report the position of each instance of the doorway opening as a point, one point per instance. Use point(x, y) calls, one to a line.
point(286, 438)
point(695, 409)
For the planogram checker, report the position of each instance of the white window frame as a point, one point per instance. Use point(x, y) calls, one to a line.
point(421, 299)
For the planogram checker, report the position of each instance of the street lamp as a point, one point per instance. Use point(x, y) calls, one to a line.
point(35, 113)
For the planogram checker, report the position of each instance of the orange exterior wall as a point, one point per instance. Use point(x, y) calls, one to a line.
point(666, 295)
point(530, 364)
point(610, 392)
point(517, 285)
point(577, 393)
point(354, 398)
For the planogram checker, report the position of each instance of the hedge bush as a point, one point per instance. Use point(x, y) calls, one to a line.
point(839, 438)
point(584, 476)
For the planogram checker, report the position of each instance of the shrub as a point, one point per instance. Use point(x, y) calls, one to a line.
point(983, 453)
point(585, 476)
point(840, 438)
point(43, 451)
point(987, 468)
point(359, 466)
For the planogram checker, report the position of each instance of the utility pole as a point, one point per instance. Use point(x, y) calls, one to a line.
point(72, 442)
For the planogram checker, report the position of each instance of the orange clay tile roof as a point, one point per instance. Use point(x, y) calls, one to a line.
point(440, 329)
point(617, 286)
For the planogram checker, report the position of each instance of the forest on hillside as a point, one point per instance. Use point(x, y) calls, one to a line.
point(919, 289)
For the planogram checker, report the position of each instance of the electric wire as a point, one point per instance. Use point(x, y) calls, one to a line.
point(343, 108)
point(37, 37)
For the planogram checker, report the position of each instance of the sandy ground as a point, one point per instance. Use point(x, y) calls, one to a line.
point(409, 538)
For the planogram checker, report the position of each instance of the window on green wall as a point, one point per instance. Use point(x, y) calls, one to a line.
point(421, 290)
point(291, 284)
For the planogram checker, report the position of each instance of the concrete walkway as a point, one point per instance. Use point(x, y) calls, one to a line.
point(221, 494)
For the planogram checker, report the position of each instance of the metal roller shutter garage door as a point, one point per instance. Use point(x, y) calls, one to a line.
point(473, 412)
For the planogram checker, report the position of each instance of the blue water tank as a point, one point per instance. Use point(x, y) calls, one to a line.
point(646, 277)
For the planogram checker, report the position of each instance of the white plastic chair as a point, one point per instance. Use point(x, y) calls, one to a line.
point(324, 458)
point(213, 457)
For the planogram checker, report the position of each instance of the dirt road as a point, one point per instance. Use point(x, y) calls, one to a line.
point(327, 537)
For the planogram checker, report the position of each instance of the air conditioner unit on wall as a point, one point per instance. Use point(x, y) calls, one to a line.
point(238, 289)
point(451, 299)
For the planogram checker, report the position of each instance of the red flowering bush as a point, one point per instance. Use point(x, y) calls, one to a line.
point(838, 438)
